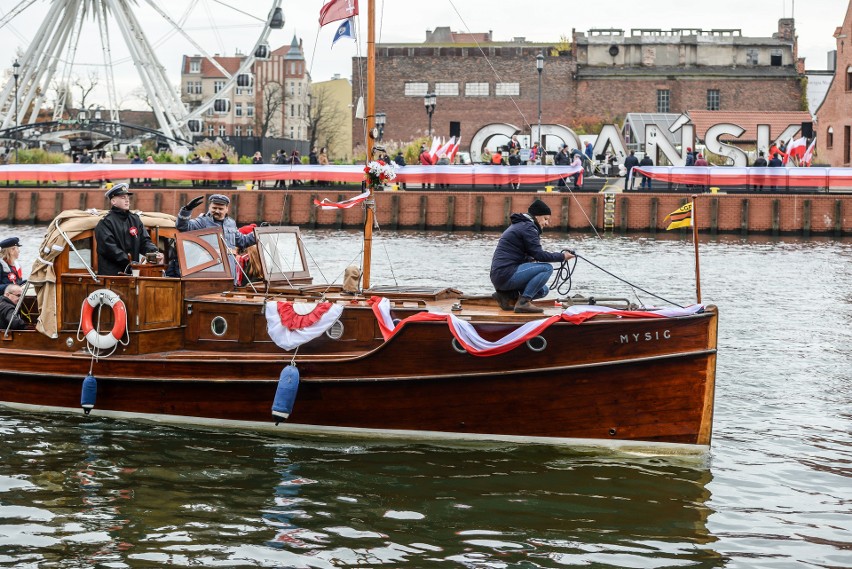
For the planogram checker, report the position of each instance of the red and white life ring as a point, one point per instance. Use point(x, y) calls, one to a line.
point(99, 298)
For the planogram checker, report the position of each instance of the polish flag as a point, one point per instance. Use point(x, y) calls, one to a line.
point(447, 147)
point(337, 10)
point(433, 151)
point(327, 204)
point(454, 150)
point(797, 147)
point(808, 156)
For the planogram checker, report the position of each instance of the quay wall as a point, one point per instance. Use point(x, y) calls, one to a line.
point(769, 214)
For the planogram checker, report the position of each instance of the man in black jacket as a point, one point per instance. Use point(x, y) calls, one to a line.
point(8, 303)
point(629, 163)
point(520, 268)
point(121, 236)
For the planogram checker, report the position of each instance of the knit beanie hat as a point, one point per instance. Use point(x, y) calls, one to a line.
point(538, 207)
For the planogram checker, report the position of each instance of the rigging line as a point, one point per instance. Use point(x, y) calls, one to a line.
point(390, 262)
point(226, 5)
point(488, 61)
point(595, 230)
point(626, 281)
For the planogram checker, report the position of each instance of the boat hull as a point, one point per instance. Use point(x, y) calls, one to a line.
point(619, 380)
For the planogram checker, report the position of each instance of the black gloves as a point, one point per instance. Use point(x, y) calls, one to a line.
point(194, 203)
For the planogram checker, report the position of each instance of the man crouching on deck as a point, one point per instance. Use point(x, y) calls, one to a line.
point(520, 267)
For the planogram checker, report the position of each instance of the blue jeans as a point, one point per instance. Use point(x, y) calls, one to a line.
point(530, 279)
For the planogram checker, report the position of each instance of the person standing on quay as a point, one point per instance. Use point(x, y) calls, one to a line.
point(629, 163)
point(646, 181)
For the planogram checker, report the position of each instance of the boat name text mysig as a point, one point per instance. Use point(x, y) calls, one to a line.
point(646, 337)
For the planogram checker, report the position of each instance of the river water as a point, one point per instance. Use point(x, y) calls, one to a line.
point(774, 492)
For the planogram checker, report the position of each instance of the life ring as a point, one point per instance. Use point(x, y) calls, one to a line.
point(119, 312)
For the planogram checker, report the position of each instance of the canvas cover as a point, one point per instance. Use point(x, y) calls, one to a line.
point(71, 223)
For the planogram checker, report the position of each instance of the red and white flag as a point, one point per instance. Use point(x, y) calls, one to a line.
point(436, 144)
point(797, 147)
point(808, 156)
point(337, 10)
point(447, 147)
point(345, 204)
point(454, 150)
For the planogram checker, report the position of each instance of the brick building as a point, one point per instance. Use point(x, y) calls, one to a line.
point(274, 97)
point(834, 115)
point(597, 78)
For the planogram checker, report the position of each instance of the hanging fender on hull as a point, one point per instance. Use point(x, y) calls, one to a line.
point(285, 393)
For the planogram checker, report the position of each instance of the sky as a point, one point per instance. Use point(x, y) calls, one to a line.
point(225, 26)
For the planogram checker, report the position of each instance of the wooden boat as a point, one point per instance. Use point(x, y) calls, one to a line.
point(422, 362)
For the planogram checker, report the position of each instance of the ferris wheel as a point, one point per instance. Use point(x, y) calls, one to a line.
point(115, 47)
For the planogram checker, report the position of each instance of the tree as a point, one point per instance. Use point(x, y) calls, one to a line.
point(268, 120)
point(326, 118)
point(86, 86)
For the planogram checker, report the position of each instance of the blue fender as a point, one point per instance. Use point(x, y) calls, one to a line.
point(285, 394)
point(89, 393)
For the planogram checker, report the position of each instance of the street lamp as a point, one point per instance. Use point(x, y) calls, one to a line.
point(430, 100)
point(15, 69)
point(539, 65)
point(381, 121)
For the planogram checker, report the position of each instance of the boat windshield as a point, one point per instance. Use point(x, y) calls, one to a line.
point(282, 254)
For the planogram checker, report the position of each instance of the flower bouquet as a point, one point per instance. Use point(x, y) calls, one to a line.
point(378, 172)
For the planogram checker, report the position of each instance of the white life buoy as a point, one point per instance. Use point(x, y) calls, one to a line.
point(99, 298)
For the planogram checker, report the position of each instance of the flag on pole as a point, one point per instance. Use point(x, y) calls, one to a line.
point(327, 204)
point(808, 156)
point(344, 31)
point(454, 150)
point(796, 149)
point(334, 10)
point(681, 217)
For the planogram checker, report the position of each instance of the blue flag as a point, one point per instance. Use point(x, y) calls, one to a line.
point(344, 31)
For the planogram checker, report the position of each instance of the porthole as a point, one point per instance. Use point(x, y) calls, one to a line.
point(336, 331)
point(219, 326)
point(537, 344)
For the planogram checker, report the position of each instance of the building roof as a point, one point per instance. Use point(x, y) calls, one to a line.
point(295, 51)
point(777, 120)
point(231, 64)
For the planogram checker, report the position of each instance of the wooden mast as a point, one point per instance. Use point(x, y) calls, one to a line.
point(695, 244)
point(371, 122)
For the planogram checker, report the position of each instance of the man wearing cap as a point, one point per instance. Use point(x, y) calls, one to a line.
point(10, 269)
point(216, 216)
point(121, 236)
point(520, 268)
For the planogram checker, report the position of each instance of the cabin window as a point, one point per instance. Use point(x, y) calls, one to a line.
point(219, 326)
point(84, 248)
point(196, 255)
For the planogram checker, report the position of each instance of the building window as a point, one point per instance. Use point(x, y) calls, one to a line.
point(663, 100)
point(238, 130)
point(249, 131)
point(292, 110)
point(714, 100)
point(447, 89)
point(829, 138)
point(775, 58)
point(195, 66)
point(291, 133)
point(198, 87)
point(292, 88)
point(190, 87)
point(752, 56)
point(292, 68)
point(849, 78)
point(476, 89)
point(299, 108)
point(507, 89)
point(238, 109)
point(245, 90)
point(210, 130)
point(416, 89)
point(218, 86)
point(249, 109)
point(210, 113)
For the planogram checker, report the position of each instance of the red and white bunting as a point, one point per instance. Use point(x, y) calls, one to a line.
point(292, 324)
point(345, 204)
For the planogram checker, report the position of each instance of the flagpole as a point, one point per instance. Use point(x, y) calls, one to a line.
point(695, 244)
point(371, 119)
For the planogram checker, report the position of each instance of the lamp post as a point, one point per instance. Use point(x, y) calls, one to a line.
point(381, 121)
point(15, 71)
point(430, 101)
point(539, 65)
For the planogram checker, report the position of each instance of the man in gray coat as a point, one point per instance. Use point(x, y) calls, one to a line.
point(217, 215)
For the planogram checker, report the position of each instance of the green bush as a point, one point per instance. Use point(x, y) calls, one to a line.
point(38, 156)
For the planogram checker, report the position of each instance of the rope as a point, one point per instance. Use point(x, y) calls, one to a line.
point(564, 274)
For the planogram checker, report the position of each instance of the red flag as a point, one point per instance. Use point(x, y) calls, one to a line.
point(337, 10)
